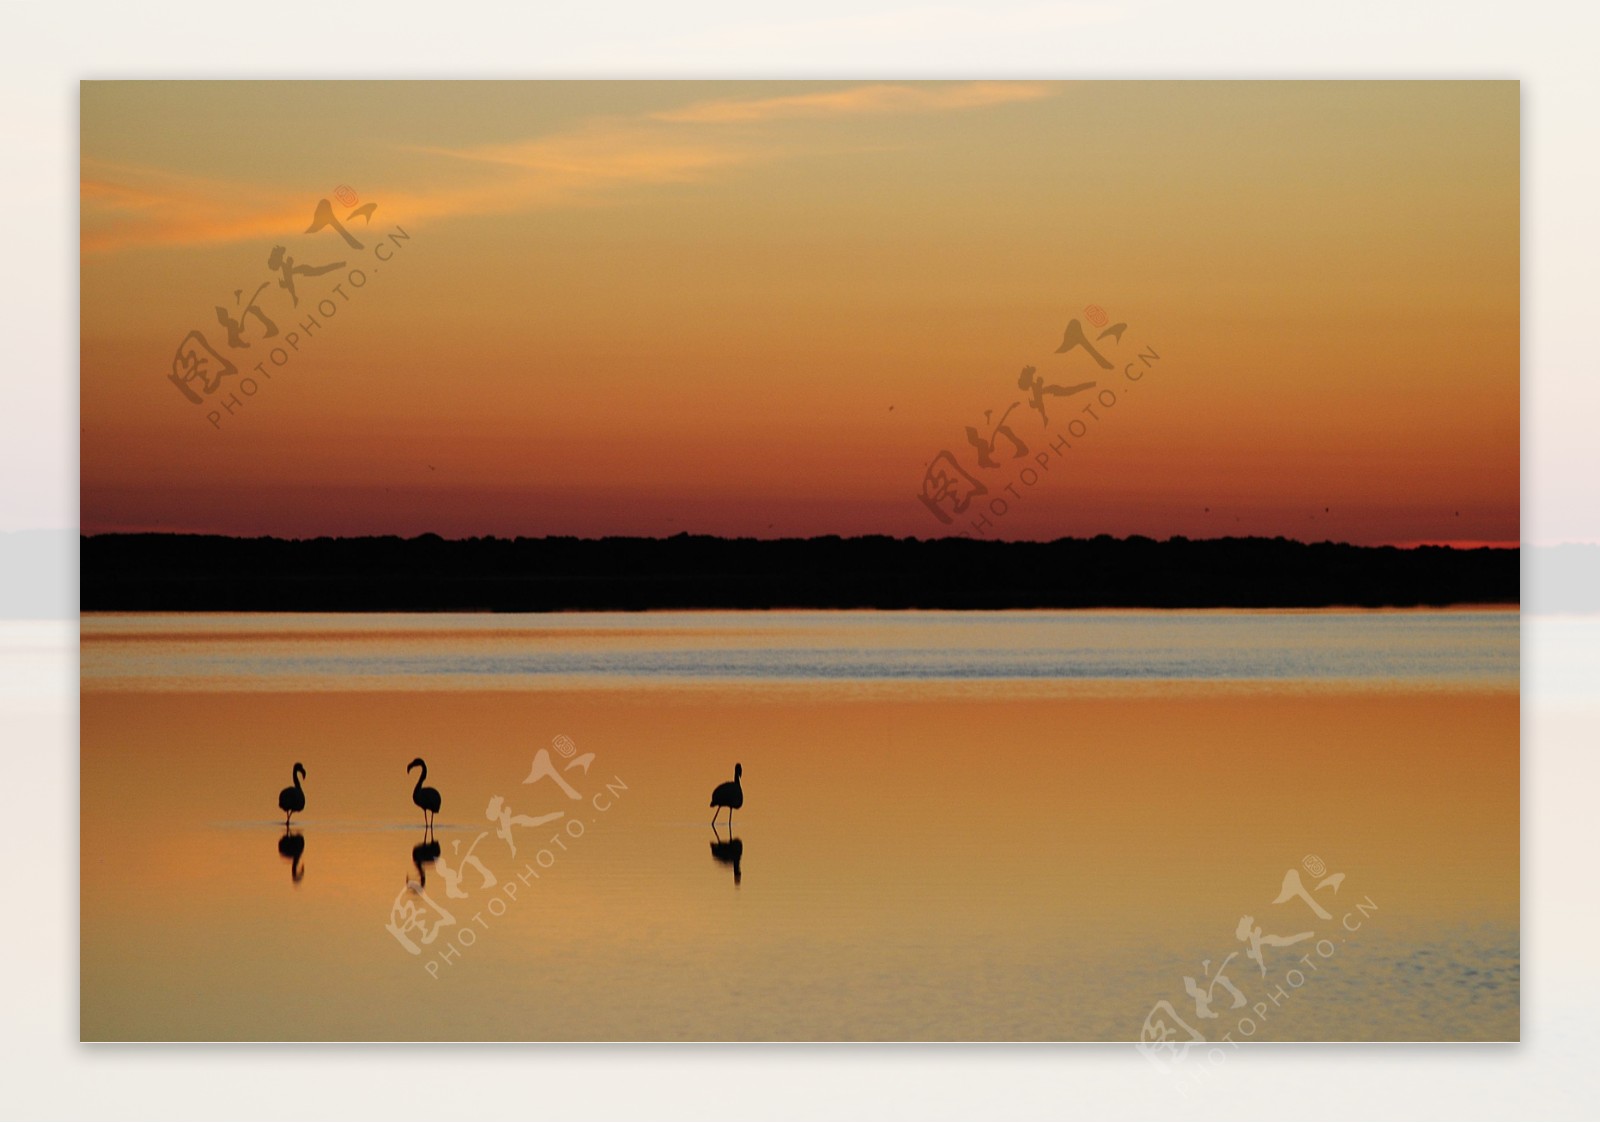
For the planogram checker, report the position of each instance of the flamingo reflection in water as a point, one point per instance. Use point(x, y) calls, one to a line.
point(423, 855)
point(293, 846)
point(729, 853)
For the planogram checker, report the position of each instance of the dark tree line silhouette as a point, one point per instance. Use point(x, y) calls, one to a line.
point(173, 572)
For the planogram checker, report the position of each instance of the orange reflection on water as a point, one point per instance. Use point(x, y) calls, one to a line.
point(916, 860)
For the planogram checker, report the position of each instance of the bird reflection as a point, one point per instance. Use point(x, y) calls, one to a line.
point(424, 854)
point(729, 853)
point(293, 846)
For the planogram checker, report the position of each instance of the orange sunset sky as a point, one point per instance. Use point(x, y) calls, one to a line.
point(762, 308)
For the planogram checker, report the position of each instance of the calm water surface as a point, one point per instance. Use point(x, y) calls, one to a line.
point(594, 649)
point(986, 826)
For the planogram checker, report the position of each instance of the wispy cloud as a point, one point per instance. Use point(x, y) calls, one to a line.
point(613, 152)
point(857, 101)
point(125, 206)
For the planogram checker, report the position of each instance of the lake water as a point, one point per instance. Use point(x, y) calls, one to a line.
point(957, 826)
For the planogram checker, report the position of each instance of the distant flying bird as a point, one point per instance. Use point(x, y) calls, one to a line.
point(426, 798)
point(729, 795)
point(293, 799)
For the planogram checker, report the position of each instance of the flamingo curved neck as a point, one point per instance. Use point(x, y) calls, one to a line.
point(421, 776)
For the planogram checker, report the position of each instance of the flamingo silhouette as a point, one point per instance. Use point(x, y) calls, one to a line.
point(293, 799)
point(729, 795)
point(426, 798)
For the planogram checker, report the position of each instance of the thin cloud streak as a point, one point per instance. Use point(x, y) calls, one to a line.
point(125, 207)
point(857, 101)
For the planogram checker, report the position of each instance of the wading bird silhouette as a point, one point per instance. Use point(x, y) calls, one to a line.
point(729, 795)
point(425, 798)
point(293, 799)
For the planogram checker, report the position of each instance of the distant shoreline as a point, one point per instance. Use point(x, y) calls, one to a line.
point(206, 573)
